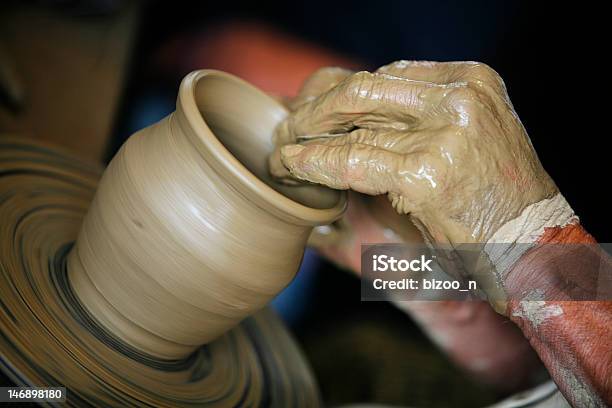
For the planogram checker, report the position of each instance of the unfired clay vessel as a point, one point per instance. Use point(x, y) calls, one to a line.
point(186, 237)
point(187, 234)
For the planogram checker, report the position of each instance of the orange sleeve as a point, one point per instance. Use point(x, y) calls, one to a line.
point(573, 338)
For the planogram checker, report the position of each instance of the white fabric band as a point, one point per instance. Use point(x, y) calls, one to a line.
point(518, 235)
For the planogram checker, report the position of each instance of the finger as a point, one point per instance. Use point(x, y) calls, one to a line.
point(277, 169)
point(382, 139)
point(441, 72)
point(405, 178)
point(482, 76)
point(387, 139)
point(318, 83)
point(425, 141)
point(429, 71)
point(365, 100)
point(359, 167)
point(478, 74)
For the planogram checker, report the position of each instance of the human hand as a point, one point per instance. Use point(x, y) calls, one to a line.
point(367, 219)
point(372, 219)
point(441, 140)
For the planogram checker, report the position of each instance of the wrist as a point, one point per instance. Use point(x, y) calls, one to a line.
point(538, 223)
point(562, 265)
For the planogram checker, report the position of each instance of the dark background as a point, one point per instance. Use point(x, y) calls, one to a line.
point(547, 55)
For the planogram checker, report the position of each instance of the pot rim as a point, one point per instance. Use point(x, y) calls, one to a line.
point(230, 168)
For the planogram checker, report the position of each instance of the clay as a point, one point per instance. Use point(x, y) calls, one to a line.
point(421, 133)
point(319, 82)
point(453, 326)
point(186, 238)
point(534, 220)
point(515, 237)
point(451, 131)
point(443, 142)
point(187, 234)
point(372, 219)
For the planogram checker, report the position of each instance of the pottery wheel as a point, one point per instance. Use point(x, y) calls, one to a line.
point(48, 339)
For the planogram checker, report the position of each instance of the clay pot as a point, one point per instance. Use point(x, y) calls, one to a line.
point(187, 234)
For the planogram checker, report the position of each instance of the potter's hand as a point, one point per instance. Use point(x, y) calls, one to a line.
point(443, 142)
point(440, 139)
point(315, 85)
point(367, 219)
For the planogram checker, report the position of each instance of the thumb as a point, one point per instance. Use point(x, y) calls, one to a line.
point(363, 168)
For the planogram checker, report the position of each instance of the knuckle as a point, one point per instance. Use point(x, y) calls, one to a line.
point(397, 65)
point(481, 67)
point(463, 95)
point(465, 103)
point(358, 84)
point(483, 73)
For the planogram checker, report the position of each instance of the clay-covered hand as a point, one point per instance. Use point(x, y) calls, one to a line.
point(367, 219)
point(442, 140)
point(371, 219)
point(315, 85)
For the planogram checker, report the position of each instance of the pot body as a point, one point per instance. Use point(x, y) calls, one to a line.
point(176, 249)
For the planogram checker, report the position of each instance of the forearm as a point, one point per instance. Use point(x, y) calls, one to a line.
point(572, 337)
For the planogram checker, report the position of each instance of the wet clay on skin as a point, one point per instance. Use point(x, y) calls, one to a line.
point(443, 142)
point(421, 132)
point(451, 325)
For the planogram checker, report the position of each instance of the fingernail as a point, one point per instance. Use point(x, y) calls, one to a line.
point(291, 150)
